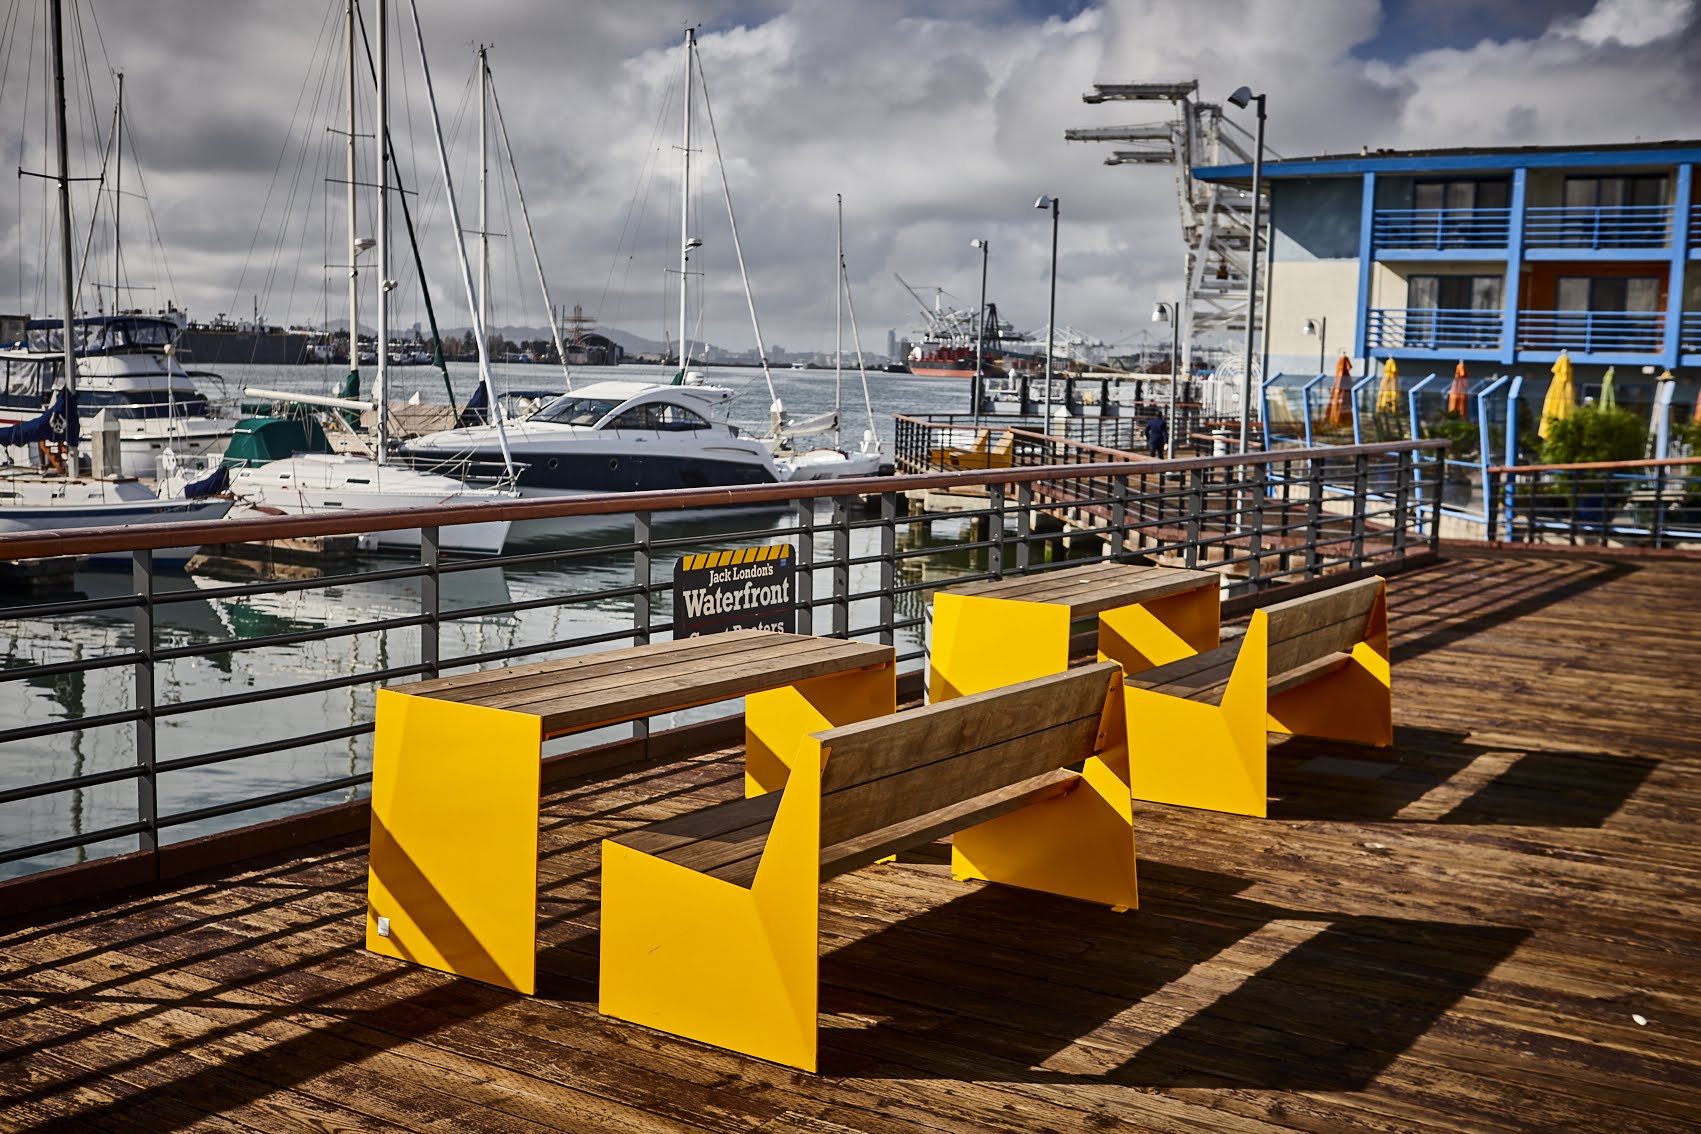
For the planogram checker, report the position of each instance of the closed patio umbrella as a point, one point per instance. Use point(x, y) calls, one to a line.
point(1561, 396)
point(1340, 391)
point(1458, 395)
point(1608, 399)
point(1388, 393)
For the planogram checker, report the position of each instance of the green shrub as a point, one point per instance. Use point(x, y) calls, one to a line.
point(1595, 434)
point(1464, 438)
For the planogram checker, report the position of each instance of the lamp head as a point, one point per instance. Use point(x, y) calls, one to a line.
point(1242, 96)
point(1160, 313)
point(1311, 326)
point(1045, 203)
point(978, 243)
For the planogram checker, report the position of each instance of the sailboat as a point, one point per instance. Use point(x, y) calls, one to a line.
point(322, 481)
point(55, 494)
point(622, 436)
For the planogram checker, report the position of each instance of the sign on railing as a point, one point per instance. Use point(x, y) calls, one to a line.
point(748, 589)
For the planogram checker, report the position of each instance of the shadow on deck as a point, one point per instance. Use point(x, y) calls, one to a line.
point(1455, 933)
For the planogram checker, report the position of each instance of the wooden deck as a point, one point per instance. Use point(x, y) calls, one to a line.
point(1461, 933)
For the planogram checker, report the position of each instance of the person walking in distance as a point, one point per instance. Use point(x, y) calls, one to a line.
point(1157, 435)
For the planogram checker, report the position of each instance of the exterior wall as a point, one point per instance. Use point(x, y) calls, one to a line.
point(1301, 290)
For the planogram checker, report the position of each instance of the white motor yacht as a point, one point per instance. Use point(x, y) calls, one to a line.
point(126, 367)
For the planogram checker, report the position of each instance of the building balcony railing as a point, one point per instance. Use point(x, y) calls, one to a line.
point(1612, 226)
point(1437, 229)
point(1592, 332)
point(1430, 328)
point(1689, 333)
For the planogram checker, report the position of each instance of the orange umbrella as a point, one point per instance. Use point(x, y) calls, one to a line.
point(1459, 393)
point(1339, 393)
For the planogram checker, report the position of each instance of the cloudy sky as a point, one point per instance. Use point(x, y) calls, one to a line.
point(937, 120)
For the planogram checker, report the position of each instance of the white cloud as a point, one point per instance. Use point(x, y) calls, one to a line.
point(1631, 23)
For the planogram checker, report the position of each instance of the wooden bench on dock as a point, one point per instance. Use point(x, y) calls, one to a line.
point(983, 453)
point(1316, 665)
point(710, 920)
point(452, 882)
point(1000, 632)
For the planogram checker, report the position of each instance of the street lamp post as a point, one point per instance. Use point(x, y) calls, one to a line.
point(1320, 327)
point(1171, 313)
point(980, 335)
point(1051, 316)
point(1241, 97)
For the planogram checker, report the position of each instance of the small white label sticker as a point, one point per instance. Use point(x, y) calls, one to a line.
point(383, 927)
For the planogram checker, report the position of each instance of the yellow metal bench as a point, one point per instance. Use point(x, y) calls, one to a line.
point(1313, 666)
point(452, 881)
point(710, 920)
point(998, 633)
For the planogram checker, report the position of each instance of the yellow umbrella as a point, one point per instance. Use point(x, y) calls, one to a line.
point(1609, 400)
point(1388, 393)
point(1337, 414)
point(1458, 396)
point(1561, 396)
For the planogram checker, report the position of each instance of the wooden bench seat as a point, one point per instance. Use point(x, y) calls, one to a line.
point(999, 632)
point(1316, 665)
point(456, 772)
point(709, 920)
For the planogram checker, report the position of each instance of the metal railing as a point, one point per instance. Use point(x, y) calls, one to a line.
point(1689, 333)
point(1429, 328)
point(1592, 332)
point(1629, 503)
point(1603, 227)
point(1437, 229)
point(196, 726)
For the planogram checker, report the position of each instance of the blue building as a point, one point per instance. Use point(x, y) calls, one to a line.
point(1499, 258)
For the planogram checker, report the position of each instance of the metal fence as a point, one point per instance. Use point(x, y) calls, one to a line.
point(1630, 504)
point(186, 719)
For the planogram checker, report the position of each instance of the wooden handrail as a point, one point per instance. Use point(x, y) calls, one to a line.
point(1663, 462)
point(88, 541)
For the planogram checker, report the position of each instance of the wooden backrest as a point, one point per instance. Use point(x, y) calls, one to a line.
point(905, 766)
point(1311, 627)
point(1005, 445)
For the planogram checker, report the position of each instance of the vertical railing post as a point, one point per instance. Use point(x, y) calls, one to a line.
point(147, 783)
point(1118, 541)
point(1257, 499)
point(1024, 525)
point(888, 564)
point(1195, 514)
point(641, 606)
point(1491, 507)
point(995, 552)
point(804, 578)
point(1438, 473)
point(841, 567)
point(430, 598)
point(1361, 503)
point(1575, 515)
point(1404, 473)
point(1657, 525)
point(1314, 477)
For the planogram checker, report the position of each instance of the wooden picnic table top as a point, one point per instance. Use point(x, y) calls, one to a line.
point(611, 686)
point(1094, 587)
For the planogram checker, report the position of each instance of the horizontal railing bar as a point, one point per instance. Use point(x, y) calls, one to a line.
point(70, 842)
point(55, 669)
point(55, 728)
point(254, 696)
point(254, 804)
point(73, 783)
point(565, 601)
point(465, 660)
point(69, 606)
point(227, 754)
point(293, 637)
point(282, 586)
point(526, 558)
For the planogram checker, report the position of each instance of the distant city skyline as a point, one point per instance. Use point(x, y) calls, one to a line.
point(939, 122)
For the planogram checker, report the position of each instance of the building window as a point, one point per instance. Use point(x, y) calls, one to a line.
point(1612, 313)
point(1461, 193)
point(1453, 311)
point(1645, 189)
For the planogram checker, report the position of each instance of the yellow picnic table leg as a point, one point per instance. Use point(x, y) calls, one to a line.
point(1160, 631)
point(984, 643)
point(1356, 702)
point(776, 720)
point(453, 864)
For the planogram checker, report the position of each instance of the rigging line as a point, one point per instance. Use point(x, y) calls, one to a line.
point(640, 196)
point(856, 337)
point(732, 220)
point(298, 190)
point(277, 167)
point(537, 259)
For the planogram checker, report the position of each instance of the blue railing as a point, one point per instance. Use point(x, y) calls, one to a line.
point(1610, 226)
point(1441, 228)
point(1689, 333)
point(1592, 332)
point(1429, 328)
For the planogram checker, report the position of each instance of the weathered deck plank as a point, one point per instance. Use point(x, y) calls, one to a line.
point(1450, 935)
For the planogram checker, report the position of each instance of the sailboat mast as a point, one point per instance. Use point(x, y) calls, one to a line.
point(483, 194)
point(67, 295)
point(838, 314)
point(685, 197)
point(118, 194)
point(379, 392)
point(353, 233)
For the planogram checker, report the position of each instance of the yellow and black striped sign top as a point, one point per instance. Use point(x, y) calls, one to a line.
point(741, 555)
